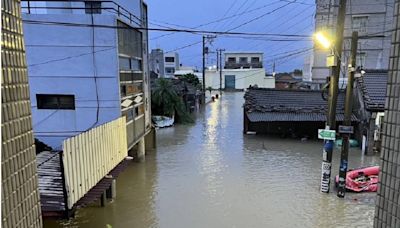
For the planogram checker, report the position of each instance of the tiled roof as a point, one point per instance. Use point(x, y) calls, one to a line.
point(373, 86)
point(291, 117)
point(289, 105)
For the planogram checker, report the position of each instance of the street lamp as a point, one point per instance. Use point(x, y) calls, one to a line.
point(323, 40)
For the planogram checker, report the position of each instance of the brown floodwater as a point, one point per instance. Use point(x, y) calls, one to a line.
point(208, 174)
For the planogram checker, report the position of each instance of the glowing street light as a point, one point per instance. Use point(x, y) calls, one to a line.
point(323, 40)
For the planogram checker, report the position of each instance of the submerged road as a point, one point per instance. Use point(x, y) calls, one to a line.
point(209, 174)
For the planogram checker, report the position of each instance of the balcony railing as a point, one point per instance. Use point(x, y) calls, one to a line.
point(79, 7)
point(235, 65)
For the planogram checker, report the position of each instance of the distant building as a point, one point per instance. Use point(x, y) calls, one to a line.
point(184, 70)
point(82, 76)
point(20, 205)
point(156, 62)
point(243, 60)
point(164, 64)
point(241, 70)
point(373, 17)
point(239, 79)
point(289, 113)
point(285, 81)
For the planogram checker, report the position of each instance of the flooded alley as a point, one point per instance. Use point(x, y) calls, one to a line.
point(208, 174)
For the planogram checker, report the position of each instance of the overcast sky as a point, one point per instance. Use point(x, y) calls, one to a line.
point(280, 17)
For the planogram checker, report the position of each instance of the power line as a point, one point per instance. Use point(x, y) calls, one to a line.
point(227, 11)
point(163, 30)
point(234, 19)
point(183, 47)
point(69, 57)
point(261, 16)
point(221, 19)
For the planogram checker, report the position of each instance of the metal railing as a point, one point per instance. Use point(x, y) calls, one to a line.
point(238, 65)
point(76, 6)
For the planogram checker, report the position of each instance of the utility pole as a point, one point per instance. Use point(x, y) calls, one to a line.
point(332, 101)
point(204, 71)
point(205, 51)
point(273, 69)
point(347, 129)
point(219, 55)
point(217, 60)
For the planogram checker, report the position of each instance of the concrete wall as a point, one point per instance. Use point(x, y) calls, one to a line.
point(156, 61)
point(174, 64)
point(244, 78)
point(61, 61)
point(146, 71)
point(387, 213)
point(376, 50)
point(20, 206)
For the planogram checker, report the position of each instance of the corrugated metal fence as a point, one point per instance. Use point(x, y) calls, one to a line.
point(90, 156)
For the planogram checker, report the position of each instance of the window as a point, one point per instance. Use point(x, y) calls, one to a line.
point(255, 59)
point(133, 64)
point(243, 60)
point(92, 7)
point(55, 101)
point(231, 60)
point(360, 23)
point(169, 59)
point(169, 70)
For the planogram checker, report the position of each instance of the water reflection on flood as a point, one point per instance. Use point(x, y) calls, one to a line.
point(211, 175)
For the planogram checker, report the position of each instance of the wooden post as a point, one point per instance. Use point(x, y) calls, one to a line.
point(103, 199)
point(141, 150)
point(112, 190)
point(370, 135)
point(245, 121)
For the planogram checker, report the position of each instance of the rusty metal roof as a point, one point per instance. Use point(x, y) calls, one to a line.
point(50, 182)
point(373, 86)
point(269, 105)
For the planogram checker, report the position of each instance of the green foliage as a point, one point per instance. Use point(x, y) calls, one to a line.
point(166, 102)
point(298, 72)
point(191, 79)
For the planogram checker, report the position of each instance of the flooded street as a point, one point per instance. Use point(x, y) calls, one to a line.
point(209, 174)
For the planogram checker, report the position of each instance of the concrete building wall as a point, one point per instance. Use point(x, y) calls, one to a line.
point(171, 65)
point(156, 61)
point(146, 71)
point(387, 213)
point(61, 61)
point(243, 78)
point(104, 68)
point(20, 206)
point(373, 53)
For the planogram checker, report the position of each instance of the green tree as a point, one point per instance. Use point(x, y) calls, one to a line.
point(191, 79)
point(166, 102)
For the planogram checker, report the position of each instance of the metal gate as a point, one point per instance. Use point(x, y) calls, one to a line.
point(230, 81)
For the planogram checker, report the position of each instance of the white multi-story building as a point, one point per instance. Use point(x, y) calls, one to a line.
point(164, 64)
point(373, 20)
point(87, 65)
point(241, 70)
